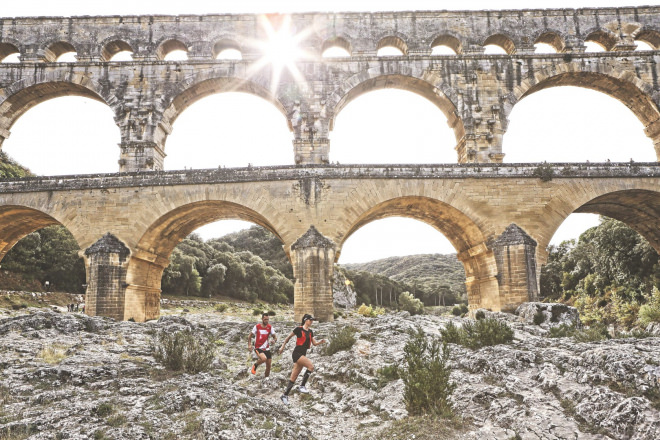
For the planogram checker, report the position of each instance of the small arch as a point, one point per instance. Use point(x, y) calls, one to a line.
point(552, 40)
point(227, 49)
point(113, 48)
point(394, 42)
point(501, 41)
point(446, 41)
point(336, 47)
point(6, 52)
point(167, 47)
point(55, 51)
point(650, 37)
point(604, 39)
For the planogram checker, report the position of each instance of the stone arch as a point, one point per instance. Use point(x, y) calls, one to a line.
point(168, 44)
point(648, 36)
point(112, 46)
point(393, 41)
point(428, 86)
point(18, 221)
point(151, 255)
point(7, 49)
point(634, 93)
point(206, 84)
point(53, 50)
point(552, 39)
point(604, 38)
point(501, 40)
point(224, 44)
point(638, 207)
point(337, 41)
point(25, 94)
point(448, 40)
point(464, 233)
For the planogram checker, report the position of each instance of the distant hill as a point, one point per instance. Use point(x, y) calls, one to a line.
point(425, 272)
point(10, 169)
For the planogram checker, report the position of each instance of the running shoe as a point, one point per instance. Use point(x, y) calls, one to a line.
point(303, 389)
point(285, 399)
point(253, 370)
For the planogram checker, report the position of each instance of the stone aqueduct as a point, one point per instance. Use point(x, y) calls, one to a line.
point(499, 217)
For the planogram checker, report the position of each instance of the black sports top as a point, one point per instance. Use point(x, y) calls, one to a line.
point(303, 340)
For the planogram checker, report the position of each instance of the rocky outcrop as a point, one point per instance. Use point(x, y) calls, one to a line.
point(343, 294)
point(106, 383)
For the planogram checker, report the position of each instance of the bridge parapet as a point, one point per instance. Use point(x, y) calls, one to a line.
point(271, 173)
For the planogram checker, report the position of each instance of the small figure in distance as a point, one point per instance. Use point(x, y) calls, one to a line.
point(262, 332)
point(304, 338)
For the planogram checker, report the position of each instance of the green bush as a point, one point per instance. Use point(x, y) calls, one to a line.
point(183, 351)
point(340, 340)
point(539, 318)
point(451, 334)
point(562, 331)
point(456, 311)
point(477, 334)
point(410, 304)
point(426, 378)
point(365, 310)
point(650, 312)
point(387, 374)
point(480, 315)
point(597, 332)
point(221, 308)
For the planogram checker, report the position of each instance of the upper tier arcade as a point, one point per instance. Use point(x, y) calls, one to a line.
point(475, 91)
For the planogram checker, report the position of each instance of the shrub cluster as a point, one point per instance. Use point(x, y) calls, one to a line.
point(340, 340)
point(650, 312)
point(597, 332)
point(426, 378)
point(410, 304)
point(370, 312)
point(477, 334)
point(183, 351)
point(459, 309)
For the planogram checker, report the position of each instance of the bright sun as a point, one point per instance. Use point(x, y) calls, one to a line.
point(282, 48)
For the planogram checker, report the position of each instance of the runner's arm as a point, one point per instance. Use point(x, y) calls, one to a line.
point(315, 342)
point(286, 341)
point(250, 341)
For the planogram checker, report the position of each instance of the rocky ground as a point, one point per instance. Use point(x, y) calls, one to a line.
point(70, 376)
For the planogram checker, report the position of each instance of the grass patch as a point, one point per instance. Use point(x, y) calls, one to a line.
point(340, 340)
point(116, 420)
point(184, 351)
point(53, 354)
point(476, 334)
point(424, 428)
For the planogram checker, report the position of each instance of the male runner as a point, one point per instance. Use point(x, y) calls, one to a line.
point(262, 332)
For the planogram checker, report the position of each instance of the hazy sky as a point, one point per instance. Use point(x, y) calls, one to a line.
point(233, 129)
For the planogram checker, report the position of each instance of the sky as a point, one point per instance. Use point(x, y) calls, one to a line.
point(560, 124)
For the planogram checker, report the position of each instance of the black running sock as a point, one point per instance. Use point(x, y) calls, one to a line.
point(305, 377)
point(288, 388)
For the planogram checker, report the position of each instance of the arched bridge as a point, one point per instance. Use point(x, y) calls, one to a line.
point(499, 218)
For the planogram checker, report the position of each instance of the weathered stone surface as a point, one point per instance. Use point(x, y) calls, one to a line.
point(535, 387)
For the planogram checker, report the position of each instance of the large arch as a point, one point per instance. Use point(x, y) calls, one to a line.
point(18, 221)
point(151, 255)
point(464, 233)
point(373, 79)
point(631, 91)
point(207, 84)
point(23, 95)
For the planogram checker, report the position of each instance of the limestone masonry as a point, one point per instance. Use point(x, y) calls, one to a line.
point(499, 217)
